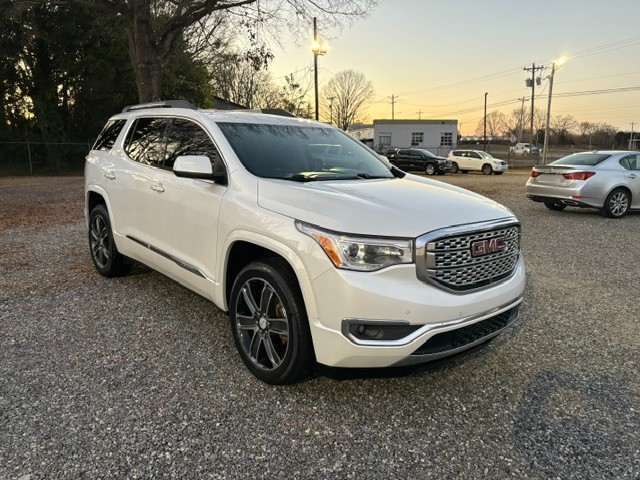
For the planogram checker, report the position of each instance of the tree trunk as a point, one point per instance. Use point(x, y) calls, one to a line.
point(143, 49)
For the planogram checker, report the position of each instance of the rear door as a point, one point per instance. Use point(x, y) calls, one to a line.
point(133, 177)
point(631, 165)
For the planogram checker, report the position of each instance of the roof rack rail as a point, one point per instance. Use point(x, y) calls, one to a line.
point(161, 104)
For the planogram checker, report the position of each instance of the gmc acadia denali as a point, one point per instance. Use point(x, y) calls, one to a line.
point(318, 249)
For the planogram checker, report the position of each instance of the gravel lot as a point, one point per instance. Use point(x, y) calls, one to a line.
point(137, 377)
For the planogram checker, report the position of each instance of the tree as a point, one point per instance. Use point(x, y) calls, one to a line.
point(155, 28)
point(496, 124)
point(348, 92)
point(562, 126)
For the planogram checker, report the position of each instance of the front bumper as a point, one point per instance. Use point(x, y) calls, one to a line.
point(395, 296)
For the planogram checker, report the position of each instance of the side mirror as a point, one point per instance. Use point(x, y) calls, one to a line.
point(197, 166)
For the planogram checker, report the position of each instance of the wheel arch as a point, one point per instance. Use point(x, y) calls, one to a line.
point(620, 187)
point(96, 196)
point(246, 247)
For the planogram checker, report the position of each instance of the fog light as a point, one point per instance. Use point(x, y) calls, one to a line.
point(376, 330)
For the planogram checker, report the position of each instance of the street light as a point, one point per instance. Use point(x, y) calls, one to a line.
point(554, 66)
point(318, 49)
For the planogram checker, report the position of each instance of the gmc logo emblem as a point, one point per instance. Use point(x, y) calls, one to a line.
point(485, 247)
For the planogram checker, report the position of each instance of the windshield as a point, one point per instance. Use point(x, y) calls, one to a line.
point(485, 155)
point(302, 153)
point(587, 158)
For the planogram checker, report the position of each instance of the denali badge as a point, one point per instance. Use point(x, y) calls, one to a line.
point(485, 247)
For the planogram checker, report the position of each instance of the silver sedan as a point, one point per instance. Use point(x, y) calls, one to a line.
point(606, 180)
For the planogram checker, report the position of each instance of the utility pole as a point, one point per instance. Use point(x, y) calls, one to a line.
point(554, 66)
point(521, 118)
point(419, 112)
point(533, 70)
point(394, 99)
point(485, 120)
point(331, 109)
point(631, 142)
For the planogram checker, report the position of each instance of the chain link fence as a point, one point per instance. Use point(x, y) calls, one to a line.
point(42, 158)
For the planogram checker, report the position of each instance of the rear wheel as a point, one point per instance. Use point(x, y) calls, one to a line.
point(454, 167)
point(617, 203)
point(269, 323)
point(106, 258)
point(555, 206)
point(486, 169)
point(430, 169)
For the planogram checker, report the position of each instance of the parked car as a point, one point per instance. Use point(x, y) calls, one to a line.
point(606, 180)
point(355, 265)
point(467, 160)
point(420, 159)
point(525, 148)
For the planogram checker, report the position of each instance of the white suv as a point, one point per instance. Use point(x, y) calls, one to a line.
point(345, 261)
point(467, 160)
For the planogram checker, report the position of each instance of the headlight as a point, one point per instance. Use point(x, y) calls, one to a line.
point(364, 254)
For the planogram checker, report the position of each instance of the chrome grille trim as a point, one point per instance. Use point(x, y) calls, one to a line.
point(444, 259)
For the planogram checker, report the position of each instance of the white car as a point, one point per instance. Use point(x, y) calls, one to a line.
point(467, 160)
point(343, 261)
point(524, 149)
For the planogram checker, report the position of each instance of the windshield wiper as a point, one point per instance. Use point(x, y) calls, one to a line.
point(369, 177)
point(298, 177)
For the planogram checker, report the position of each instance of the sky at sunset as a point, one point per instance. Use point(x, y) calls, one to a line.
point(440, 57)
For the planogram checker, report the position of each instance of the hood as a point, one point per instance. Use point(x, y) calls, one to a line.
point(399, 207)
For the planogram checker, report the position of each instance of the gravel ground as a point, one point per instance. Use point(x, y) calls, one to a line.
point(137, 377)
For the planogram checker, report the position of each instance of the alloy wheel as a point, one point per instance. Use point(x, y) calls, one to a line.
point(619, 203)
point(100, 241)
point(262, 324)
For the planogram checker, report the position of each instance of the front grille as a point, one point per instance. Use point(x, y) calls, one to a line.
point(454, 339)
point(464, 261)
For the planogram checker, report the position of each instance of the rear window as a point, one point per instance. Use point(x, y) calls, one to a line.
point(109, 134)
point(588, 158)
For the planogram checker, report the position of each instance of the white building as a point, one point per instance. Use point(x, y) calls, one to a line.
point(438, 136)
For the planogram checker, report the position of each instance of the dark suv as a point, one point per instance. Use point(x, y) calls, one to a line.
point(419, 159)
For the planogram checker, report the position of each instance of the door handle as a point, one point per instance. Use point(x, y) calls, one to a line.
point(157, 188)
point(109, 175)
point(632, 175)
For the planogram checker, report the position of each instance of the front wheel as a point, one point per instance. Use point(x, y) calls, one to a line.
point(106, 258)
point(269, 323)
point(430, 169)
point(616, 204)
point(454, 167)
point(486, 169)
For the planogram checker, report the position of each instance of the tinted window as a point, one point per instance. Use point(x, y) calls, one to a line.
point(631, 162)
point(185, 137)
point(589, 159)
point(145, 143)
point(109, 134)
point(403, 152)
point(292, 152)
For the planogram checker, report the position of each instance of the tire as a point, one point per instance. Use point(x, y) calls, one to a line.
point(430, 169)
point(486, 169)
point(498, 173)
point(555, 206)
point(617, 203)
point(454, 167)
point(106, 258)
point(273, 340)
